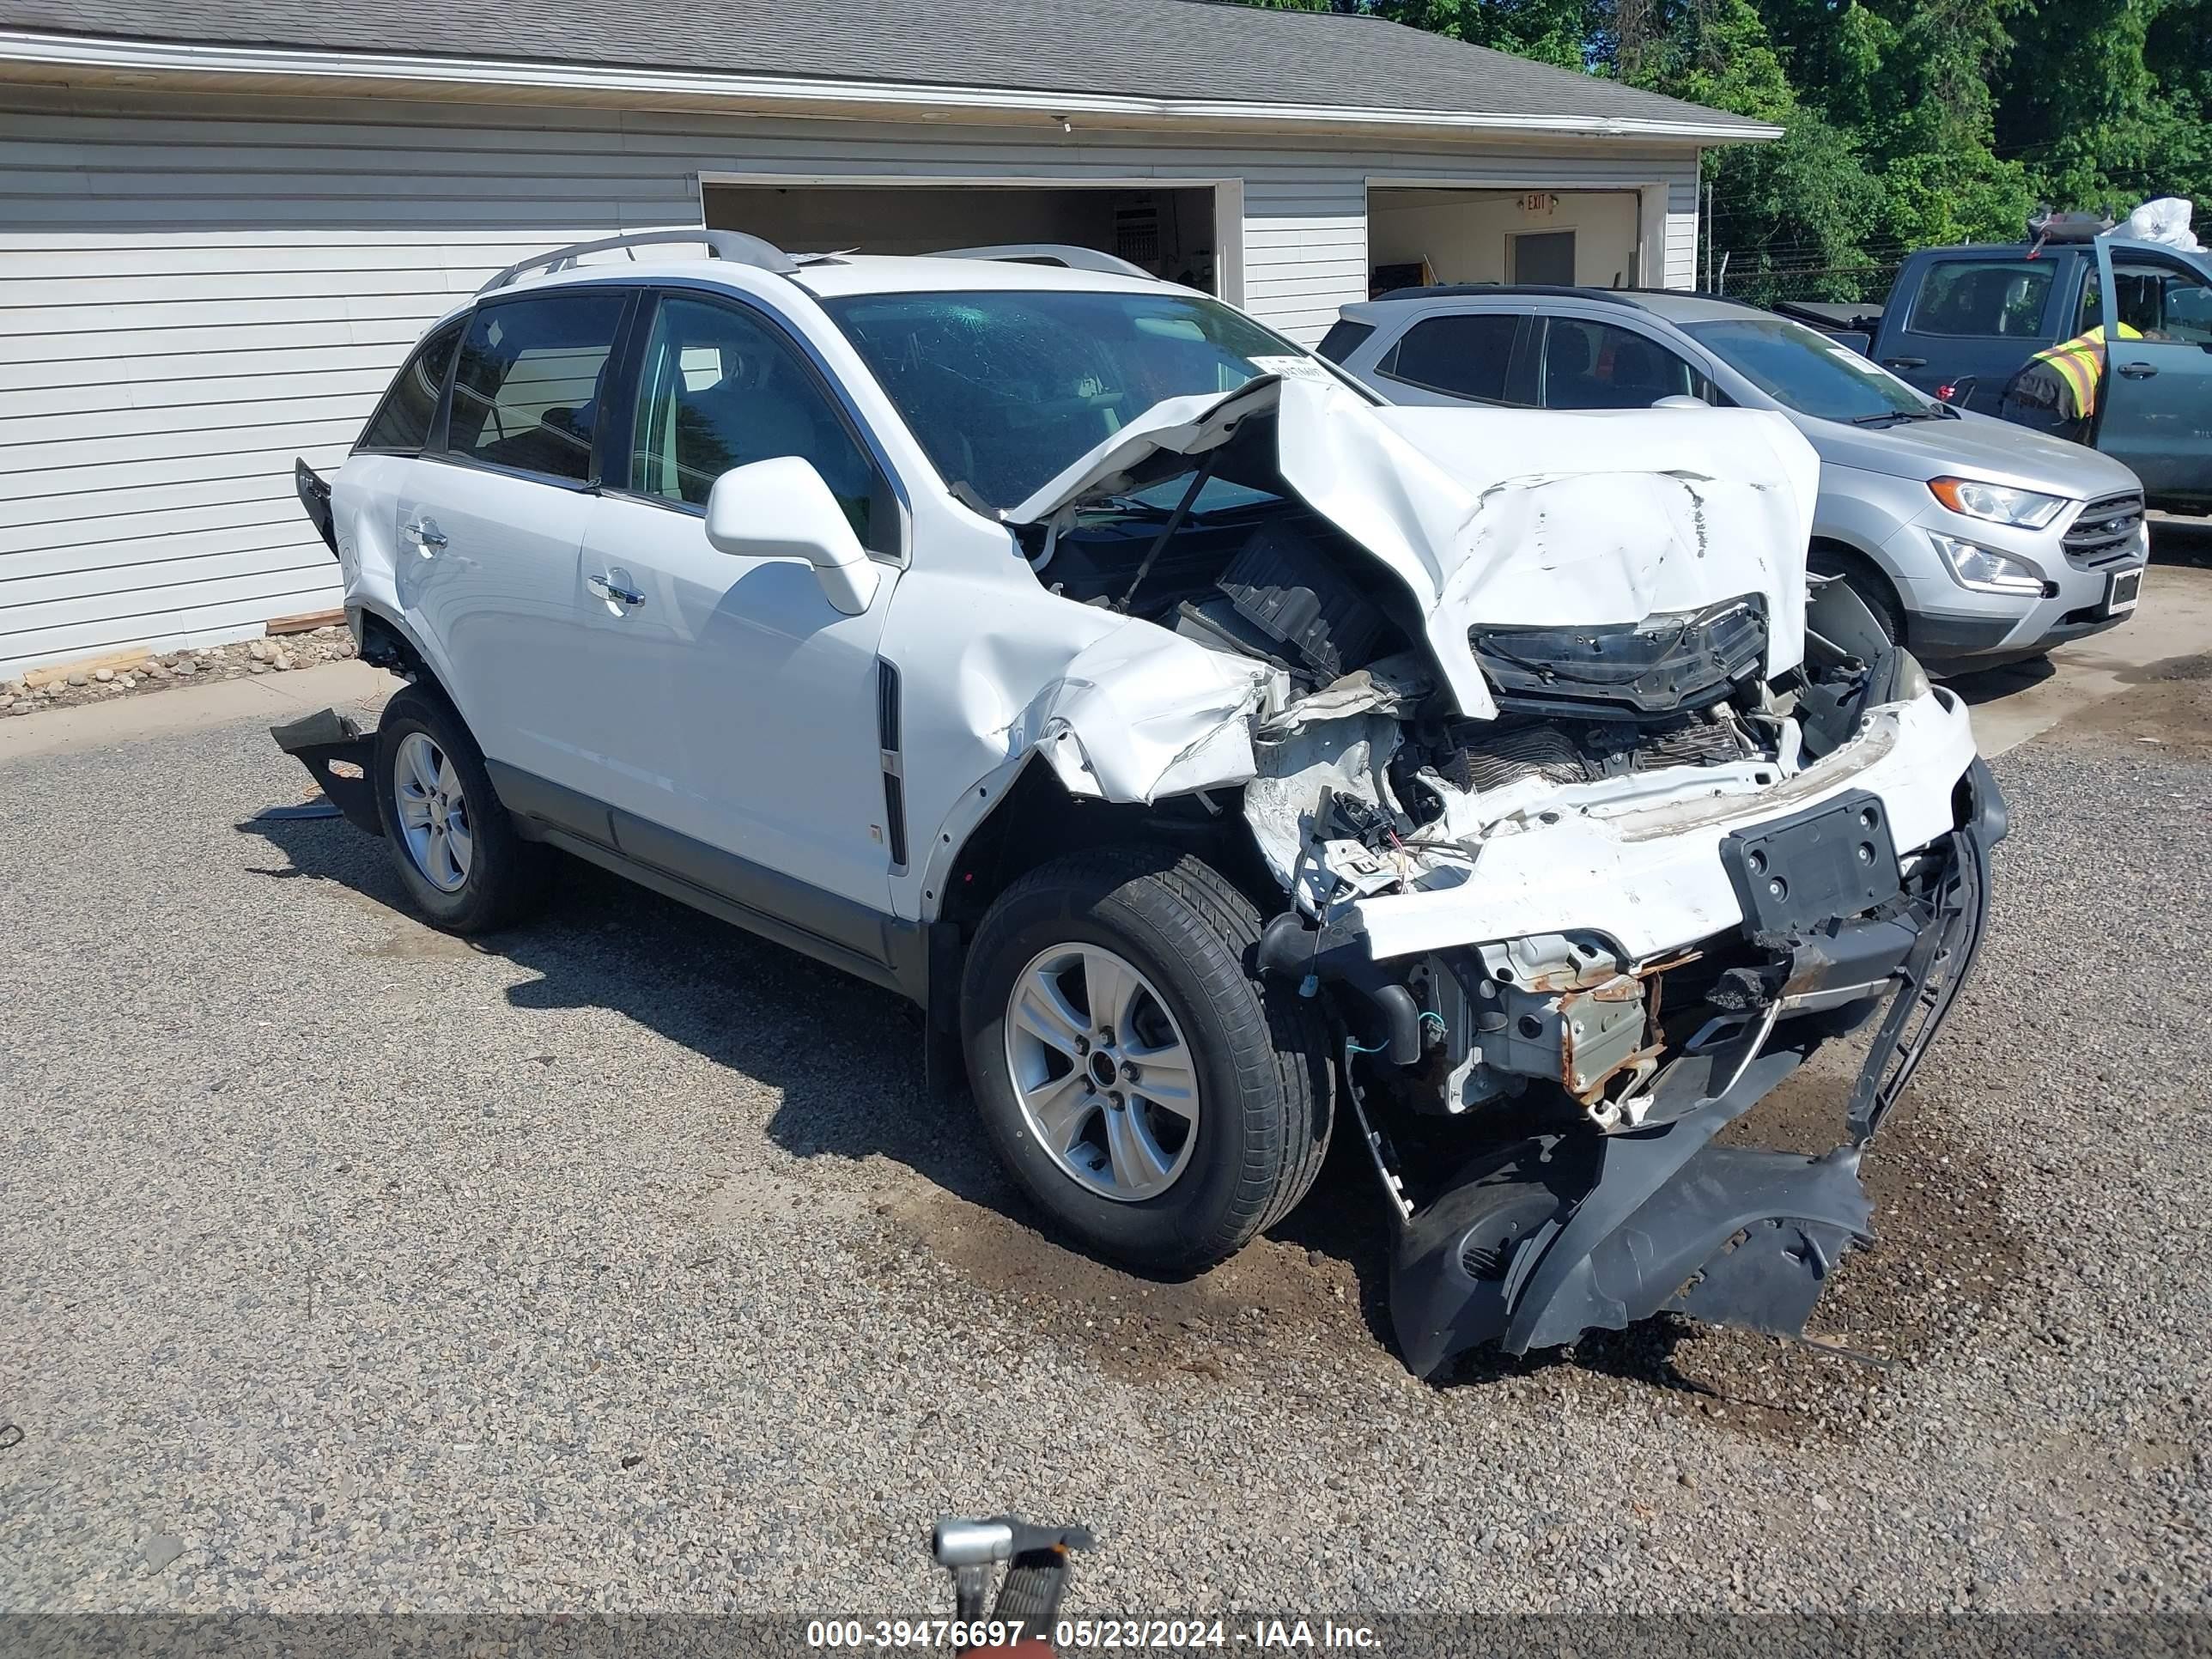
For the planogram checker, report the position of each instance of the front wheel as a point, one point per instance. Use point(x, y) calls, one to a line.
point(1150, 1094)
point(455, 847)
point(1874, 589)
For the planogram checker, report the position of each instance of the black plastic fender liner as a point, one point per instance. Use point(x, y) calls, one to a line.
point(1559, 1235)
point(315, 740)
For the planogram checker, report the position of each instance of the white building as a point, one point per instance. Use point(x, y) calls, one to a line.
point(222, 221)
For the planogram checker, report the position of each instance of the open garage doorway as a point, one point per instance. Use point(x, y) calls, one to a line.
point(1176, 233)
point(1428, 233)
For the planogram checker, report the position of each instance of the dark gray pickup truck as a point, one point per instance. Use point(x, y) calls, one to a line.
point(1960, 322)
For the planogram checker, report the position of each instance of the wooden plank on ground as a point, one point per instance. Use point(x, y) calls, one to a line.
point(59, 672)
point(307, 622)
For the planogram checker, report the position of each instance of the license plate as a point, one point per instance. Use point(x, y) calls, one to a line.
point(2122, 592)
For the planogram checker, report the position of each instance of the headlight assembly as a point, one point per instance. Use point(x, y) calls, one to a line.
point(1998, 503)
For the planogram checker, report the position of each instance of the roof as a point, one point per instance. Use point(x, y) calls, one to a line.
point(1171, 50)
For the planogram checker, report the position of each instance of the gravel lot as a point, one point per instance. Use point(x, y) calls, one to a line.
point(343, 1266)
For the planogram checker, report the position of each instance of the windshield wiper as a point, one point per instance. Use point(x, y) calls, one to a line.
point(1891, 417)
point(1133, 504)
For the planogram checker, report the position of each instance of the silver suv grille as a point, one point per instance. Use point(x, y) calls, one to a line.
point(2105, 533)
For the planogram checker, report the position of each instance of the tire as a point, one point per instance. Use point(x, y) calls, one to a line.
point(1258, 1128)
point(1870, 584)
point(483, 879)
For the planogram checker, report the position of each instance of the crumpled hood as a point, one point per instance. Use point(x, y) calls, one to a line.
point(1516, 517)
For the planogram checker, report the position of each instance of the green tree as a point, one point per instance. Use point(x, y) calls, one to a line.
point(1802, 203)
point(1907, 123)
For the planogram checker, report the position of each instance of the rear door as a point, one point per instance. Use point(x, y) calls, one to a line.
point(1982, 316)
point(2155, 402)
point(1459, 358)
point(489, 521)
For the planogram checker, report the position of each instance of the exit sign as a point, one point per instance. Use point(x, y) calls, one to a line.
point(1539, 202)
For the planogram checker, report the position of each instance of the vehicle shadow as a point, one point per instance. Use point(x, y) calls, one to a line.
point(1994, 684)
point(845, 1057)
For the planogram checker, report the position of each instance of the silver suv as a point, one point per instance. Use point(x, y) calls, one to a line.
point(1974, 542)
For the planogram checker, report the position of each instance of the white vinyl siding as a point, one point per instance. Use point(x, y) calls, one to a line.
point(195, 290)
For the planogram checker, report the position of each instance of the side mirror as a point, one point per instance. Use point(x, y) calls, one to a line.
point(1682, 400)
point(781, 509)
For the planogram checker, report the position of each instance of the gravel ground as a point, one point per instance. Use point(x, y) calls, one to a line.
point(626, 1265)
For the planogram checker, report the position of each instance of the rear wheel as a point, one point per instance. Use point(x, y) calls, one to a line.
point(456, 849)
point(1863, 578)
point(1150, 1094)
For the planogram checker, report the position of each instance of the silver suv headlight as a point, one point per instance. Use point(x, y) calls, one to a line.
point(1999, 503)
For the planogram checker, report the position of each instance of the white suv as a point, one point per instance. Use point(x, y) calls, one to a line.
point(1211, 751)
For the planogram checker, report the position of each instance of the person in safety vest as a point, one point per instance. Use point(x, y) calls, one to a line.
point(2055, 390)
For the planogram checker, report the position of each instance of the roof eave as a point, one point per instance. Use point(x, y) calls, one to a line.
point(83, 59)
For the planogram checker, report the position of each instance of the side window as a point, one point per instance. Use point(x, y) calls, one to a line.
point(1598, 366)
point(402, 421)
point(1984, 298)
point(526, 391)
point(1466, 356)
point(717, 389)
point(1344, 337)
point(2158, 302)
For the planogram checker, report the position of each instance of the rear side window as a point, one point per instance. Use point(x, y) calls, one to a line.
point(1467, 356)
point(1598, 366)
point(402, 421)
point(1344, 337)
point(1993, 298)
point(526, 391)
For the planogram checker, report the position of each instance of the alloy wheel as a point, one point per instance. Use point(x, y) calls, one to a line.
point(433, 812)
point(1105, 1080)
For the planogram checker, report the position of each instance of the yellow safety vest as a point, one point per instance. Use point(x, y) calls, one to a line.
point(2079, 364)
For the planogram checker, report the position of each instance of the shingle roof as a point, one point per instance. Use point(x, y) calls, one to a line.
point(1171, 50)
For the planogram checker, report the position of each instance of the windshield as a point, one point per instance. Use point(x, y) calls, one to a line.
point(1005, 388)
point(1805, 370)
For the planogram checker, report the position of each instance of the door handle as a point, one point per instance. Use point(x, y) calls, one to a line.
point(613, 591)
point(1904, 362)
point(424, 534)
point(2137, 371)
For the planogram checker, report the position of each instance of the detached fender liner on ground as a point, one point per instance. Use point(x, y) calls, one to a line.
point(1540, 1242)
point(319, 740)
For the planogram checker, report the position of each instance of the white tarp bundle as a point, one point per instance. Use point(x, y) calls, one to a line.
point(2166, 222)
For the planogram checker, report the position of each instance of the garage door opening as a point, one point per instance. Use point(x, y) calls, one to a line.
point(1587, 237)
point(1174, 233)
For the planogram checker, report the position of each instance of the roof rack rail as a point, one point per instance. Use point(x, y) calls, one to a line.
point(1053, 253)
point(731, 244)
point(1505, 290)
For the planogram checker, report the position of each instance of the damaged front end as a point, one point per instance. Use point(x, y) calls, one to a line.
point(1593, 826)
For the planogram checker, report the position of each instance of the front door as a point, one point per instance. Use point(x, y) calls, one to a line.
point(489, 523)
point(730, 702)
point(2157, 394)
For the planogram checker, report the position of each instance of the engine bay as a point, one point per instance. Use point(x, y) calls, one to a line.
point(1369, 784)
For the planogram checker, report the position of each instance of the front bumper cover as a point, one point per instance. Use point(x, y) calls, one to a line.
point(1542, 1241)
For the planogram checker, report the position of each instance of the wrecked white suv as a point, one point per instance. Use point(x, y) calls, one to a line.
point(1220, 759)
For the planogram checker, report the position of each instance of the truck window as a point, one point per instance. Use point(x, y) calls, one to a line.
point(1986, 298)
point(2159, 302)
